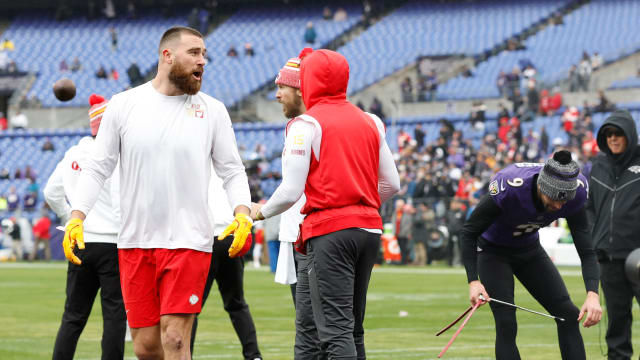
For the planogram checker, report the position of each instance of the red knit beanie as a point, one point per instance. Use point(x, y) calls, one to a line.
point(290, 74)
point(98, 106)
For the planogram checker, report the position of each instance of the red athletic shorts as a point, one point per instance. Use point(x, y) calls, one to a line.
point(157, 282)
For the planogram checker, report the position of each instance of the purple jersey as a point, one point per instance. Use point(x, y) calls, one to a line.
point(519, 221)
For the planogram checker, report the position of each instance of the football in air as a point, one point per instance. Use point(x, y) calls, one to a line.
point(64, 89)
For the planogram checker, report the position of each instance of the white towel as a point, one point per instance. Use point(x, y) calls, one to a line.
point(286, 268)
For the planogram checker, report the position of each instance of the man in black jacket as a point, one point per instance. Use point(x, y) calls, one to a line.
point(613, 207)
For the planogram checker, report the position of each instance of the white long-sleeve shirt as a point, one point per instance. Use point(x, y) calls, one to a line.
point(103, 221)
point(166, 145)
point(305, 134)
point(221, 212)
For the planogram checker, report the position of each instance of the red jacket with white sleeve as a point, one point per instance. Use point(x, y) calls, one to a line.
point(342, 184)
point(335, 153)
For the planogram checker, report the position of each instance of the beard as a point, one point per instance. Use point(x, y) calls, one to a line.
point(183, 79)
point(292, 109)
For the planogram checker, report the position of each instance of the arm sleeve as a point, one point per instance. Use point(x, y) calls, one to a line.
point(114, 192)
point(228, 164)
point(590, 208)
point(54, 193)
point(388, 178)
point(101, 163)
point(295, 168)
point(480, 219)
point(579, 227)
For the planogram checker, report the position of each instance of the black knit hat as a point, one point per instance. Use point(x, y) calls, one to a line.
point(558, 179)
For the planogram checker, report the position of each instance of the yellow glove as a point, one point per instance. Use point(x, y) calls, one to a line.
point(73, 234)
point(241, 229)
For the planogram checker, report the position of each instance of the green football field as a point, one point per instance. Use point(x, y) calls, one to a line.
point(32, 299)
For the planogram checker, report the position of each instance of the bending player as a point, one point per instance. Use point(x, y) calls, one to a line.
point(500, 240)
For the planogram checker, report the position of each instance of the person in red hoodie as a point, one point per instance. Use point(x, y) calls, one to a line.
point(42, 235)
point(545, 102)
point(345, 168)
point(503, 130)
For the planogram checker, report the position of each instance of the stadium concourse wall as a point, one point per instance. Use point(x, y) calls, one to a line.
point(605, 77)
point(56, 117)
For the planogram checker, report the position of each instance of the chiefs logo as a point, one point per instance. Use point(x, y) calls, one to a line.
point(75, 166)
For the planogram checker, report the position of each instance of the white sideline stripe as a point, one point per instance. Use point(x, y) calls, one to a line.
point(381, 270)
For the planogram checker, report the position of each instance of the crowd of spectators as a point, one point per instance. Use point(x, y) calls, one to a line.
point(427, 85)
point(24, 239)
point(26, 225)
point(11, 201)
point(442, 181)
point(75, 66)
point(340, 14)
point(579, 76)
point(524, 75)
point(248, 50)
point(112, 74)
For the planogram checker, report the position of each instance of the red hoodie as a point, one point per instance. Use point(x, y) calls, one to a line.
point(342, 186)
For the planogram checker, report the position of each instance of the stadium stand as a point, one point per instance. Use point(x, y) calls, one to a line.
point(456, 28)
point(276, 33)
point(43, 43)
point(432, 28)
point(555, 48)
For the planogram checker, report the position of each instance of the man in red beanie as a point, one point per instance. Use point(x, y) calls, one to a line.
point(293, 266)
point(99, 270)
point(166, 135)
point(340, 159)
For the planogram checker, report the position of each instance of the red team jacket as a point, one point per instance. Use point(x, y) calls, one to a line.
point(341, 188)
